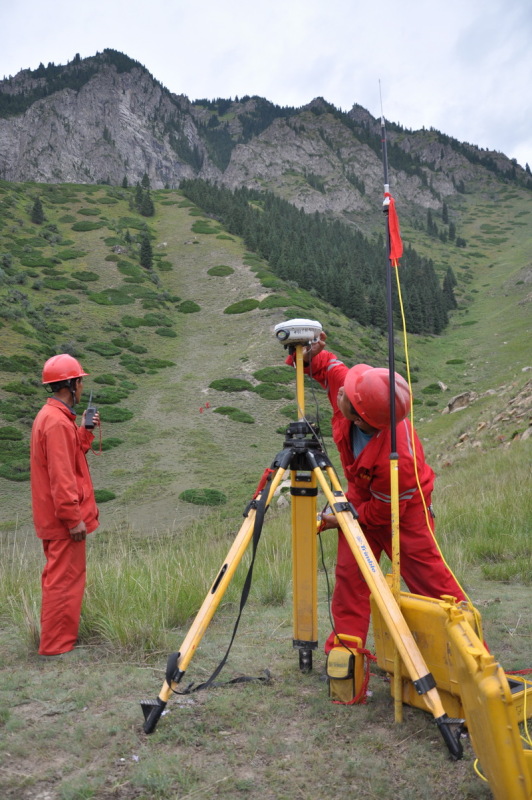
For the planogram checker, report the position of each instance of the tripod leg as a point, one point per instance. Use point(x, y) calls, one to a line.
point(153, 710)
point(404, 641)
point(304, 492)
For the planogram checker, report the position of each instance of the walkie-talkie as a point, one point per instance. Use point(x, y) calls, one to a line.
point(89, 414)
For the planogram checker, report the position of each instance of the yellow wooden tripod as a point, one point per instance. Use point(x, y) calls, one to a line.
point(310, 469)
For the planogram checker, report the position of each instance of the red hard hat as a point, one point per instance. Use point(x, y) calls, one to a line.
point(62, 368)
point(368, 389)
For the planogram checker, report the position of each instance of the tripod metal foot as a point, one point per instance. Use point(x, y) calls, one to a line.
point(152, 710)
point(451, 731)
point(305, 653)
point(305, 660)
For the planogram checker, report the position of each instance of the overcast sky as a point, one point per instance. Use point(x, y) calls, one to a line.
point(461, 66)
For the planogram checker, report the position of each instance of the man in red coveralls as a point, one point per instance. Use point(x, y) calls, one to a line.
point(360, 425)
point(64, 508)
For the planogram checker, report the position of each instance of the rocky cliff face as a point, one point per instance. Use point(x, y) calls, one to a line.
point(118, 124)
point(106, 118)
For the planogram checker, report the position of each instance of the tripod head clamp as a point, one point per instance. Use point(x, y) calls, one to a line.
point(297, 331)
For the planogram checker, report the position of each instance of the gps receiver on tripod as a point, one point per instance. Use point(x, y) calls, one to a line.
point(310, 469)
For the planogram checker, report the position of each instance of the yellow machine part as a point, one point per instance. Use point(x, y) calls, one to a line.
point(489, 713)
point(427, 619)
point(305, 557)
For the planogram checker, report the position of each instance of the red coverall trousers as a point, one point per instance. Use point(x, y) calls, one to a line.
point(63, 584)
point(422, 569)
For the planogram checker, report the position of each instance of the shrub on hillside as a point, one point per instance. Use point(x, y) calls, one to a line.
point(108, 396)
point(275, 301)
point(37, 260)
point(234, 413)
point(103, 495)
point(104, 349)
point(11, 433)
point(68, 255)
point(132, 364)
point(56, 283)
point(188, 307)
point(85, 225)
point(131, 270)
point(168, 332)
point(157, 363)
point(128, 321)
point(280, 374)
point(220, 271)
point(115, 414)
point(204, 226)
point(142, 291)
point(112, 441)
point(269, 281)
point(111, 297)
point(155, 320)
point(231, 385)
point(432, 388)
point(269, 391)
point(110, 380)
point(86, 276)
point(242, 306)
point(16, 470)
point(203, 497)
point(19, 387)
point(18, 363)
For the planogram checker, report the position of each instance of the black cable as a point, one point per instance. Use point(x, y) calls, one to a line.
point(261, 509)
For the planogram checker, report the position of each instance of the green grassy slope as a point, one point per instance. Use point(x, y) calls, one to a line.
point(173, 441)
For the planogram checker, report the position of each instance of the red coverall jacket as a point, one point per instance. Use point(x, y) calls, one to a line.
point(61, 485)
point(368, 477)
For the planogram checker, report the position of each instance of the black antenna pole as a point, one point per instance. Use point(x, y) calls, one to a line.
point(389, 302)
point(394, 456)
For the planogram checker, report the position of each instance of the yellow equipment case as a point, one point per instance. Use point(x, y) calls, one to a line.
point(489, 712)
point(427, 619)
point(345, 670)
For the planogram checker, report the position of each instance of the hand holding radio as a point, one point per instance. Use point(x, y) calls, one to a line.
point(90, 418)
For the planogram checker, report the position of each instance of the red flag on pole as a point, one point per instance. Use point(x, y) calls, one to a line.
point(396, 244)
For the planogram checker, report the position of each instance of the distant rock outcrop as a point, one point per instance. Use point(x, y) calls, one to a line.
point(106, 119)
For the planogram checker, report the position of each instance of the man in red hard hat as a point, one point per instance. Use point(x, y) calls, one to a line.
point(64, 508)
point(360, 399)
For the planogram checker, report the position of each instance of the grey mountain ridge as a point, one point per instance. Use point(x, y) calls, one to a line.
point(120, 122)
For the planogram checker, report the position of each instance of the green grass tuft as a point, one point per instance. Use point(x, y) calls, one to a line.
point(234, 413)
point(231, 385)
point(203, 497)
point(242, 306)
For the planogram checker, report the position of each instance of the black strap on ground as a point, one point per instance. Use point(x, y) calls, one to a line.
point(260, 506)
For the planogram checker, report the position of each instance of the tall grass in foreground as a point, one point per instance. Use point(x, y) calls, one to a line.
point(484, 514)
point(139, 589)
